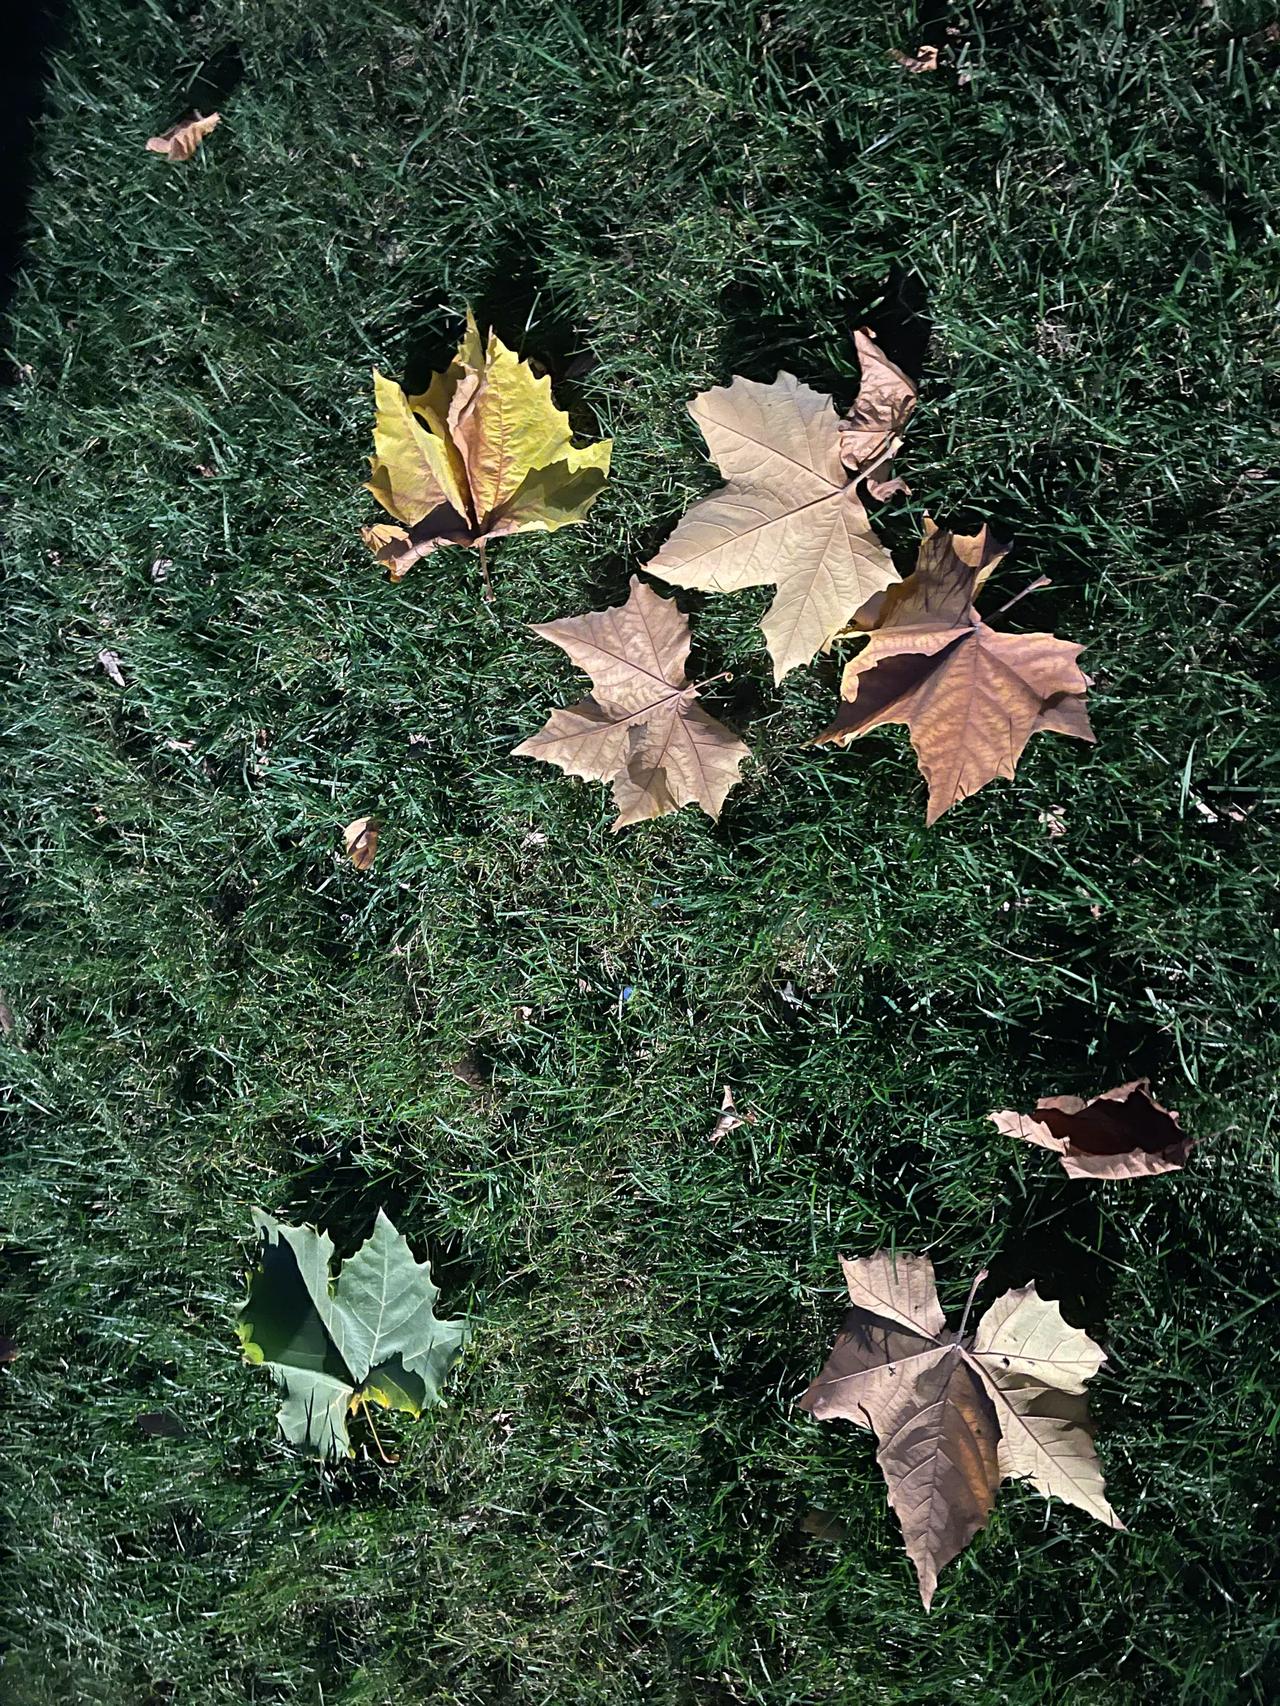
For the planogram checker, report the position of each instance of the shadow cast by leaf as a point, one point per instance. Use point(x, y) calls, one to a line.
point(514, 299)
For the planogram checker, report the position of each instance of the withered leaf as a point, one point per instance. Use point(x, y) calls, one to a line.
point(956, 1416)
point(925, 58)
point(971, 696)
point(1120, 1134)
point(790, 515)
point(181, 140)
point(641, 727)
point(871, 433)
point(729, 1118)
point(360, 838)
point(8, 1351)
point(481, 453)
point(110, 662)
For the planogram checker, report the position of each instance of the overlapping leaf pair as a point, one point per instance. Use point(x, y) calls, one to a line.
point(481, 453)
point(955, 1416)
point(370, 1338)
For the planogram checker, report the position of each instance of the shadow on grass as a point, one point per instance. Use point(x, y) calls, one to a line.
point(32, 35)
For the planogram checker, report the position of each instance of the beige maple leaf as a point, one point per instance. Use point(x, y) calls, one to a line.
point(181, 140)
point(790, 515)
point(641, 727)
point(955, 1417)
point(971, 696)
point(481, 453)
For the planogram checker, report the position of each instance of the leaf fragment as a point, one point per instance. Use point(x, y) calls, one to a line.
point(641, 727)
point(371, 1337)
point(971, 696)
point(360, 838)
point(481, 453)
point(789, 515)
point(871, 433)
point(925, 58)
point(1121, 1133)
point(8, 1351)
point(181, 140)
point(110, 662)
point(954, 1417)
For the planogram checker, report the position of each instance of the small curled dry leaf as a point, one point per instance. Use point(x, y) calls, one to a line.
point(925, 58)
point(1120, 1134)
point(361, 839)
point(110, 662)
point(8, 1351)
point(181, 140)
point(729, 1118)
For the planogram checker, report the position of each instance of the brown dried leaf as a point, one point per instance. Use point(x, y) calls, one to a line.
point(789, 515)
point(925, 58)
point(641, 727)
point(361, 840)
point(1120, 1134)
point(8, 1351)
point(180, 142)
point(971, 696)
point(729, 1118)
point(954, 1417)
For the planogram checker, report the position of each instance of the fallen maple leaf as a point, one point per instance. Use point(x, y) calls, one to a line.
point(954, 1416)
point(481, 453)
point(790, 515)
point(360, 838)
point(641, 727)
point(180, 142)
point(1120, 1134)
point(370, 1338)
point(972, 697)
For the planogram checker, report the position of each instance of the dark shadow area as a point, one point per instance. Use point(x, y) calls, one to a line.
point(517, 303)
point(32, 34)
point(760, 340)
point(1059, 1237)
point(212, 82)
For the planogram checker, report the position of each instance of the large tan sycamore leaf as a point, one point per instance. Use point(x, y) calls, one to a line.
point(955, 1417)
point(641, 727)
point(971, 696)
point(481, 453)
point(1120, 1134)
point(789, 515)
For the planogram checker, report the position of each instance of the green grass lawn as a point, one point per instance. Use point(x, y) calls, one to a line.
point(1076, 253)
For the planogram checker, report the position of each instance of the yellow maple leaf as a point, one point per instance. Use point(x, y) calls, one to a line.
point(481, 453)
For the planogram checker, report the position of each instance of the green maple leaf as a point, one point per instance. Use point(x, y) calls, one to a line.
point(370, 1338)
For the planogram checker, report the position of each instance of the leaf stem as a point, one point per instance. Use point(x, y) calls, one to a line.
point(724, 675)
point(368, 1416)
point(977, 1281)
point(1042, 580)
point(484, 570)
